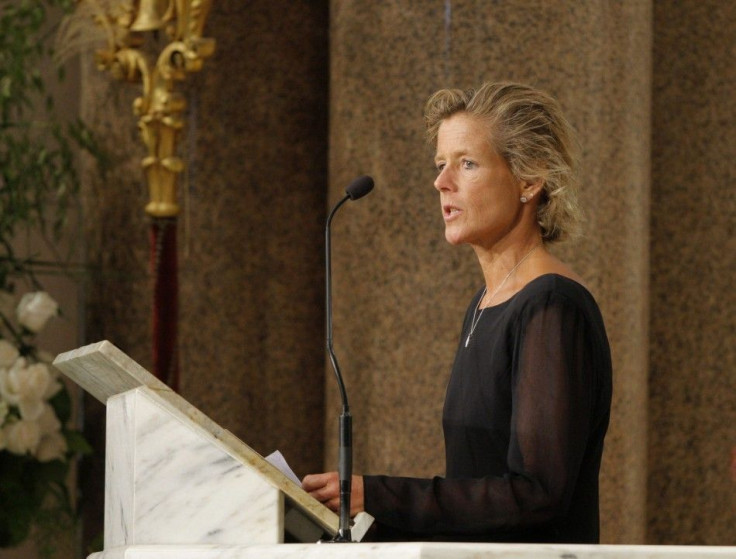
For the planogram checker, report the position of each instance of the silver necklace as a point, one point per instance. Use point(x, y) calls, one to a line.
point(474, 322)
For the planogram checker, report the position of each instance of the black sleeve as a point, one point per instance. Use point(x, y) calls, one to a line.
point(554, 393)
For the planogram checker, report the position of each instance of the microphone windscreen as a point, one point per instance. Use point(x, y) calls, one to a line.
point(359, 187)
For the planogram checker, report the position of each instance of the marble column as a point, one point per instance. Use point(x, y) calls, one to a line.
point(252, 270)
point(401, 291)
point(692, 430)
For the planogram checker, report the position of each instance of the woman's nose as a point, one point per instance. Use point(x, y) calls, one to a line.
point(443, 180)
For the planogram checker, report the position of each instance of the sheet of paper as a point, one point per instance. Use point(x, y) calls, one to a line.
point(277, 459)
point(361, 523)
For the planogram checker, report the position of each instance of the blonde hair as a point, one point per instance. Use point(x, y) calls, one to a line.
point(527, 128)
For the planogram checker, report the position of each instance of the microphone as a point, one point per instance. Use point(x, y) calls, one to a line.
point(356, 189)
point(359, 187)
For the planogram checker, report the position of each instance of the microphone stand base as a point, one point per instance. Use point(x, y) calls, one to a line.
point(339, 538)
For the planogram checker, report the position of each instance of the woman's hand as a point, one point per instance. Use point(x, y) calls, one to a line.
point(326, 489)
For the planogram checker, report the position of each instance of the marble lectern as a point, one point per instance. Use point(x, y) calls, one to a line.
point(178, 486)
point(173, 476)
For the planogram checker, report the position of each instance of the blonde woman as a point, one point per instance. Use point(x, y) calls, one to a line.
point(528, 400)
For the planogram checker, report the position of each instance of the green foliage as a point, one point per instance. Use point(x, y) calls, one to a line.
point(30, 489)
point(38, 153)
point(33, 492)
point(39, 183)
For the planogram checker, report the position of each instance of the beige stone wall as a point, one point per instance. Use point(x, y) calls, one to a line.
point(692, 428)
point(402, 292)
point(264, 166)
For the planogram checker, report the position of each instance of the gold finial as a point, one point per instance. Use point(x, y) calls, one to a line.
point(160, 108)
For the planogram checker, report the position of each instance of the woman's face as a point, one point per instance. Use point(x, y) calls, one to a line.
point(478, 193)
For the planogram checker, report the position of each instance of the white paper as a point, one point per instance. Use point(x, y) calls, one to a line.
point(277, 459)
point(362, 520)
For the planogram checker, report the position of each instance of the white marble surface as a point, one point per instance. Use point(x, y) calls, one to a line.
point(103, 370)
point(420, 551)
point(165, 483)
point(108, 373)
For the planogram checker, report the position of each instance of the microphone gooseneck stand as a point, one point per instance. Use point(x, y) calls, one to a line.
point(357, 189)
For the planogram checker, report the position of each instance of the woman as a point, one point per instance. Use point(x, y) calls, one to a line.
point(528, 401)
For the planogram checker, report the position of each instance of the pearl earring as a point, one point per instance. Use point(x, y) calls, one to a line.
point(524, 199)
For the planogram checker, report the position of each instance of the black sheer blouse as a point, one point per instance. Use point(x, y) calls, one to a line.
point(526, 411)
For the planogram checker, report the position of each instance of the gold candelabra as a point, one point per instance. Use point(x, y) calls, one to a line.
point(160, 108)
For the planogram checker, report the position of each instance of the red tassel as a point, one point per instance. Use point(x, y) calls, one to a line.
point(165, 301)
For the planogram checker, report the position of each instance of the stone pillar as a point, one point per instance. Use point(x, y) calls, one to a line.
point(400, 291)
point(692, 431)
point(252, 326)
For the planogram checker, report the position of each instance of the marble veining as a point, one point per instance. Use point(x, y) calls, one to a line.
point(159, 445)
point(119, 464)
point(167, 484)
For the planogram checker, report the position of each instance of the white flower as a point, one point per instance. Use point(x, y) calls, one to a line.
point(8, 353)
point(22, 382)
point(31, 408)
point(45, 356)
point(35, 309)
point(53, 387)
point(22, 436)
point(55, 382)
point(48, 422)
point(51, 447)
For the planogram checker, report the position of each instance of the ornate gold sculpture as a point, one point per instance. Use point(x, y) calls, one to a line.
point(160, 108)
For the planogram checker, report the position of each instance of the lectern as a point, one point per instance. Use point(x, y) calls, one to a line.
point(174, 477)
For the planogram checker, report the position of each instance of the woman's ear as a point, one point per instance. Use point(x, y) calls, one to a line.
point(530, 190)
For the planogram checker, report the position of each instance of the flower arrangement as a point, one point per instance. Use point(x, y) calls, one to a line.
point(36, 444)
point(38, 184)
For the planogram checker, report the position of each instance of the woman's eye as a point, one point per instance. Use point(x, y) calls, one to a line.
point(467, 164)
point(440, 166)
